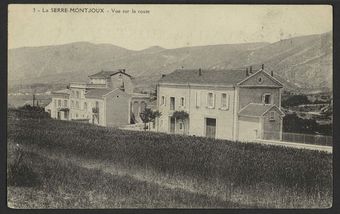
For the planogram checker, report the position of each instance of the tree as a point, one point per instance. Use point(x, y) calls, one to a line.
point(148, 116)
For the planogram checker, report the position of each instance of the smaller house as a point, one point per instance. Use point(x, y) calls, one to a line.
point(107, 99)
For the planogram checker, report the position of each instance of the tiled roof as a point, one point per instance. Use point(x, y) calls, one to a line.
point(218, 77)
point(107, 74)
point(254, 109)
point(98, 93)
point(63, 91)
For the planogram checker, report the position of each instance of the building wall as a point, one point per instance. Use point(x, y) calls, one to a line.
point(91, 103)
point(254, 95)
point(77, 100)
point(249, 128)
point(98, 81)
point(198, 111)
point(272, 128)
point(58, 102)
point(117, 80)
point(117, 109)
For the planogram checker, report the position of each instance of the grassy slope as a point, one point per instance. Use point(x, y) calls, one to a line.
point(64, 185)
point(270, 176)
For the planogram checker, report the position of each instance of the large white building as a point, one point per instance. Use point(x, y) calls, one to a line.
point(227, 104)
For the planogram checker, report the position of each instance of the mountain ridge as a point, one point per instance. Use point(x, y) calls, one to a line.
point(303, 62)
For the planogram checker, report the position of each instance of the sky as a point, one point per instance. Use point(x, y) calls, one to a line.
point(168, 26)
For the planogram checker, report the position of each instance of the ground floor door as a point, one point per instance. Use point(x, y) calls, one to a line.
point(58, 115)
point(172, 125)
point(66, 115)
point(210, 127)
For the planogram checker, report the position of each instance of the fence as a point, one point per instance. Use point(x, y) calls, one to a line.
point(301, 138)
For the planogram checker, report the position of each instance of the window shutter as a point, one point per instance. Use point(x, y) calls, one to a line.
point(198, 98)
point(228, 100)
point(214, 100)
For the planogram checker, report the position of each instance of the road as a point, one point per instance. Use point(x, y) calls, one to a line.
point(328, 149)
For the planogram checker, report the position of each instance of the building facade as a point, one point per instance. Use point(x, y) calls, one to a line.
point(107, 99)
point(227, 104)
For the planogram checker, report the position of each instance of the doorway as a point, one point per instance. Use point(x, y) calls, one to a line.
point(172, 124)
point(210, 127)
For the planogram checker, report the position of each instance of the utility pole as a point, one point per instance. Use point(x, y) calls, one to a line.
point(33, 99)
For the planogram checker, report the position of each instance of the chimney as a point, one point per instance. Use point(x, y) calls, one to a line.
point(272, 73)
point(247, 73)
point(199, 72)
point(251, 69)
point(262, 66)
point(123, 70)
point(163, 75)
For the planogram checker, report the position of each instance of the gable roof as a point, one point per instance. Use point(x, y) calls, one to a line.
point(257, 110)
point(106, 74)
point(98, 93)
point(216, 77)
point(265, 73)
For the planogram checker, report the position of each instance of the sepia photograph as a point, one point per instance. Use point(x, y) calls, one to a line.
point(114, 106)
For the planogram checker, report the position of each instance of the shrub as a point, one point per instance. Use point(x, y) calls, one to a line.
point(20, 173)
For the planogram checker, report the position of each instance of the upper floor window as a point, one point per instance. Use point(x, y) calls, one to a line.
point(65, 103)
point(182, 101)
point(78, 94)
point(210, 100)
point(55, 103)
point(267, 98)
point(77, 104)
point(224, 101)
point(59, 103)
point(72, 103)
point(163, 100)
point(172, 103)
point(85, 106)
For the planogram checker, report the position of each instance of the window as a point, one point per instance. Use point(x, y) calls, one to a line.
point(55, 103)
point(180, 126)
point(182, 101)
point(72, 103)
point(77, 104)
point(272, 115)
point(78, 94)
point(85, 106)
point(172, 103)
point(163, 100)
point(224, 101)
point(267, 99)
point(65, 103)
point(59, 103)
point(210, 100)
point(198, 99)
point(153, 124)
point(161, 123)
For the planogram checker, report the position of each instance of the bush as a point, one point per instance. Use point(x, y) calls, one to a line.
point(21, 173)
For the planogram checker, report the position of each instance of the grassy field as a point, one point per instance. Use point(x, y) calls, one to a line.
point(230, 174)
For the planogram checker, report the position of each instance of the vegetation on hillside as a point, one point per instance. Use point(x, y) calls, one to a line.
point(268, 176)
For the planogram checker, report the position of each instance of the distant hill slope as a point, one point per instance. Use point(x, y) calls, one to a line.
point(304, 62)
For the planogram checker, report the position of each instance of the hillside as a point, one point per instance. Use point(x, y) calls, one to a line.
point(301, 62)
